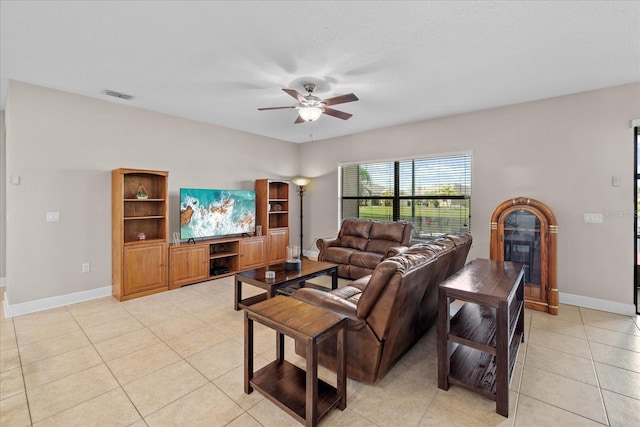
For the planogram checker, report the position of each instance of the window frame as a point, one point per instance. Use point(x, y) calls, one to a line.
point(636, 223)
point(397, 198)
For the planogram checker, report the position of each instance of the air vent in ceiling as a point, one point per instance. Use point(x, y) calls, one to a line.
point(118, 94)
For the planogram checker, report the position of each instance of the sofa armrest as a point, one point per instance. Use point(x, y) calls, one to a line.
point(327, 301)
point(327, 243)
point(395, 250)
point(323, 244)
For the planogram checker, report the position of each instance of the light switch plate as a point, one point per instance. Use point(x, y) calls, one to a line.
point(53, 216)
point(593, 218)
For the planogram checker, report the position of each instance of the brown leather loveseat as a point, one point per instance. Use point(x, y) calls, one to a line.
point(362, 244)
point(390, 309)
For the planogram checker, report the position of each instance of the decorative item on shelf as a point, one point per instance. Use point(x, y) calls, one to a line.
point(258, 230)
point(142, 193)
point(277, 207)
point(302, 183)
point(141, 236)
point(176, 238)
point(293, 261)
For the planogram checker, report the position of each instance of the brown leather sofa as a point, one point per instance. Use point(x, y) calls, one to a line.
point(390, 309)
point(362, 244)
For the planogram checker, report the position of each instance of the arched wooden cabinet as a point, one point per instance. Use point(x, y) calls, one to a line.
point(525, 230)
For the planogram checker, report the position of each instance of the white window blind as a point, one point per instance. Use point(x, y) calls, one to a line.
point(433, 194)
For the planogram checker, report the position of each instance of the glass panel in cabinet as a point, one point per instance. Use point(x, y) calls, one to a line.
point(522, 243)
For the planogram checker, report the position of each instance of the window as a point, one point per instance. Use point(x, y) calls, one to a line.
point(433, 193)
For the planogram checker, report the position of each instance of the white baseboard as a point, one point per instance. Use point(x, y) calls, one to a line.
point(598, 304)
point(53, 302)
point(311, 254)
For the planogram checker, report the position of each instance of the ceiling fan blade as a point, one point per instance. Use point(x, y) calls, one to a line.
point(299, 120)
point(295, 94)
point(339, 114)
point(275, 108)
point(340, 99)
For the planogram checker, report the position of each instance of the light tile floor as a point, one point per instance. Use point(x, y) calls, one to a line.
point(176, 359)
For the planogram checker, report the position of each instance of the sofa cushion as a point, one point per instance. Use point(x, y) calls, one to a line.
point(355, 227)
point(393, 231)
point(366, 259)
point(337, 254)
point(354, 242)
point(379, 279)
point(361, 283)
point(348, 293)
point(386, 235)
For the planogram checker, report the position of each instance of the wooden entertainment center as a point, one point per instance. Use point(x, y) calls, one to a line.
point(144, 263)
point(211, 259)
point(139, 227)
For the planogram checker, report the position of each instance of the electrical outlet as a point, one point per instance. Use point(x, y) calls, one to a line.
point(53, 216)
point(86, 267)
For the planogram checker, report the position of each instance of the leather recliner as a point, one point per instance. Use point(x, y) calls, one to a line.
point(390, 309)
point(362, 244)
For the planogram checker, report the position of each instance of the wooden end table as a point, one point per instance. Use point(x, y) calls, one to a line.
point(299, 393)
point(478, 346)
point(284, 279)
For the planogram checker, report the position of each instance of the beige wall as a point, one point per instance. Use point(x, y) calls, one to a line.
point(64, 147)
point(562, 151)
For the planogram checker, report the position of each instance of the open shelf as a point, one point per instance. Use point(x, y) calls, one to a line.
point(285, 384)
point(272, 213)
point(469, 353)
point(474, 325)
point(476, 370)
point(214, 258)
point(132, 218)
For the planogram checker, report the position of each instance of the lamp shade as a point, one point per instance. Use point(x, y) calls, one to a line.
point(310, 114)
point(301, 181)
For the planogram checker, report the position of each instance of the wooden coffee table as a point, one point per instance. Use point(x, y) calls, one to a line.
point(298, 391)
point(285, 279)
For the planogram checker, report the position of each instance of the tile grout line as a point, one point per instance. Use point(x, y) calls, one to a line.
point(109, 368)
point(103, 362)
point(595, 371)
point(590, 358)
point(24, 383)
point(184, 359)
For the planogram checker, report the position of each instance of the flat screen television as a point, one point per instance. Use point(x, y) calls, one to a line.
point(215, 213)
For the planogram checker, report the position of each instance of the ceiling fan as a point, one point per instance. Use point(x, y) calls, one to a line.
point(310, 107)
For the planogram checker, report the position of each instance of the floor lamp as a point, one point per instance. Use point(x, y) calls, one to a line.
point(301, 182)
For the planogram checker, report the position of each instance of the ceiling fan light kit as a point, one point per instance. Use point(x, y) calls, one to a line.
point(310, 114)
point(310, 107)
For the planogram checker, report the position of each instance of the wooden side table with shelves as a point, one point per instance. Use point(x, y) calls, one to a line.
point(299, 392)
point(478, 346)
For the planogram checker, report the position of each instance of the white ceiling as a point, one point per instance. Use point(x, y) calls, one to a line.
point(217, 62)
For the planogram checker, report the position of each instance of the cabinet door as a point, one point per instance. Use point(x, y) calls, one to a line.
point(278, 241)
point(253, 253)
point(145, 268)
point(189, 264)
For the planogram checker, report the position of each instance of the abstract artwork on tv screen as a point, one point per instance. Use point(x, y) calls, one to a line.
point(213, 213)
